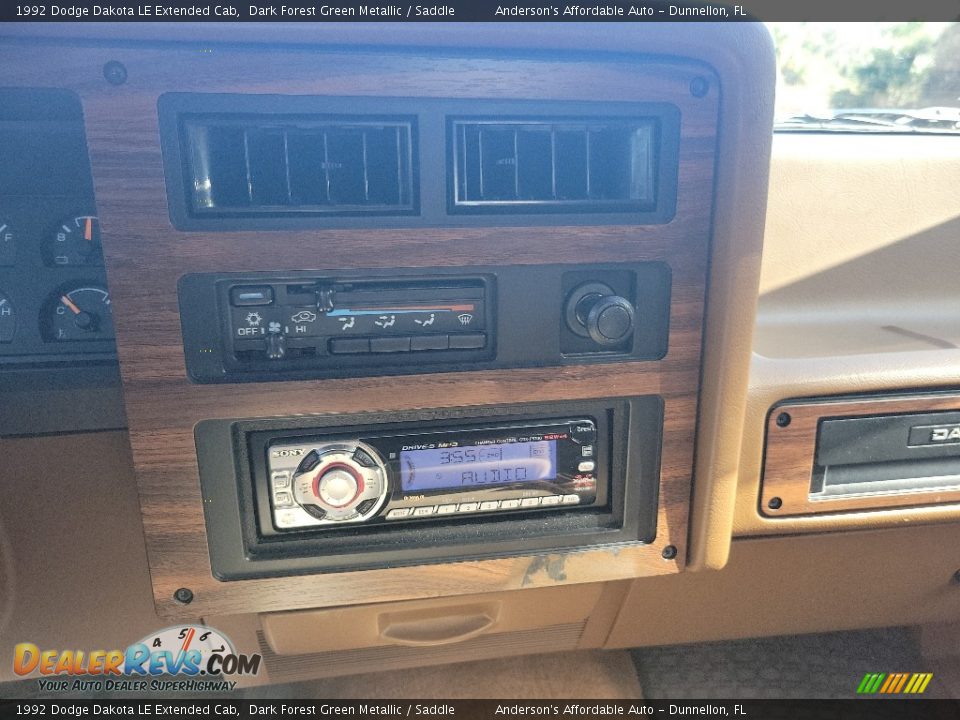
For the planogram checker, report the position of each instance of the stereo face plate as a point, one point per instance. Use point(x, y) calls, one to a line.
point(327, 483)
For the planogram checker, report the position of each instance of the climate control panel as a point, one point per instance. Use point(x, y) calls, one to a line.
point(297, 325)
point(355, 318)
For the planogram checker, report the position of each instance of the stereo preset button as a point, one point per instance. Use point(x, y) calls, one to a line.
point(362, 458)
point(309, 462)
point(530, 502)
point(587, 466)
point(490, 505)
point(509, 504)
point(446, 509)
point(364, 507)
point(570, 500)
point(550, 500)
point(397, 513)
point(317, 512)
point(280, 480)
point(467, 341)
point(282, 499)
point(424, 511)
point(468, 507)
point(248, 295)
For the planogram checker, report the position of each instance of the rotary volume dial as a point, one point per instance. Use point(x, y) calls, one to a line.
point(341, 483)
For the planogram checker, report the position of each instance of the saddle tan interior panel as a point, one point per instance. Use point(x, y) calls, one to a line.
point(815, 583)
point(857, 292)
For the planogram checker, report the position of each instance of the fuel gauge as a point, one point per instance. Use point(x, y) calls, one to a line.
point(76, 241)
point(83, 313)
point(8, 244)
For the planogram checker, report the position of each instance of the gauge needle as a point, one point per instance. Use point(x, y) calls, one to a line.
point(70, 304)
point(187, 640)
point(88, 230)
point(185, 646)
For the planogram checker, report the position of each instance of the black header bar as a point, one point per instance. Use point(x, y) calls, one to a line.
point(640, 11)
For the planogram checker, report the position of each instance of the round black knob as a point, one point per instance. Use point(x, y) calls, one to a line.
point(594, 310)
point(610, 320)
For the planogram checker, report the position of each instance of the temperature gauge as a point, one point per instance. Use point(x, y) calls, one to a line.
point(81, 314)
point(8, 319)
point(76, 241)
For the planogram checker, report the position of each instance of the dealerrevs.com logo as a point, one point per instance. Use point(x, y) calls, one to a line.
point(187, 658)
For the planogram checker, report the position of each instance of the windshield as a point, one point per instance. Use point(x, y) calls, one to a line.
point(868, 77)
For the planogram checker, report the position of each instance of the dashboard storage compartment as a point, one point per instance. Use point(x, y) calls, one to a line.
point(426, 623)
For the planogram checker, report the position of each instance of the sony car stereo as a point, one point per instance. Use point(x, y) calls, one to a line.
point(329, 482)
point(332, 492)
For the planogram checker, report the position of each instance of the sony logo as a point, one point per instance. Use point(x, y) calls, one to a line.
point(295, 452)
point(947, 433)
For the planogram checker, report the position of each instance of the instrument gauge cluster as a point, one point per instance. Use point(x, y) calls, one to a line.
point(77, 315)
point(75, 241)
point(54, 302)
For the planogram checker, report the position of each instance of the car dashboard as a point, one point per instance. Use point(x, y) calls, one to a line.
point(390, 346)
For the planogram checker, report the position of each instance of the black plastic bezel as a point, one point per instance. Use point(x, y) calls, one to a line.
point(524, 310)
point(239, 551)
point(433, 168)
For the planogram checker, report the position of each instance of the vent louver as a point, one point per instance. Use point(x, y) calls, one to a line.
point(270, 166)
point(553, 165)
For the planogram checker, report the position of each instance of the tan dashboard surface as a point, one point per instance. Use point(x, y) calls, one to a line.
point(857, 291)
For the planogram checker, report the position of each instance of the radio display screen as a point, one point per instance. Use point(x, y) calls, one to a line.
point(475, 466)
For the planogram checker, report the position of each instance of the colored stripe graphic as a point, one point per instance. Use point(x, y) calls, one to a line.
point(894, 683)
point(891, 681)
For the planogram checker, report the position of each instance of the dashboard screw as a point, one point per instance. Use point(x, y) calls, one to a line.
point(699, 87)
point(115, 73)
point(669, 552)
point(775, 503)
point(783, 419)
point(183, 595)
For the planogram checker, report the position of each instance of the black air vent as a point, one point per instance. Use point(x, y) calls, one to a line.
point(271, 166)
point(553, 165)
